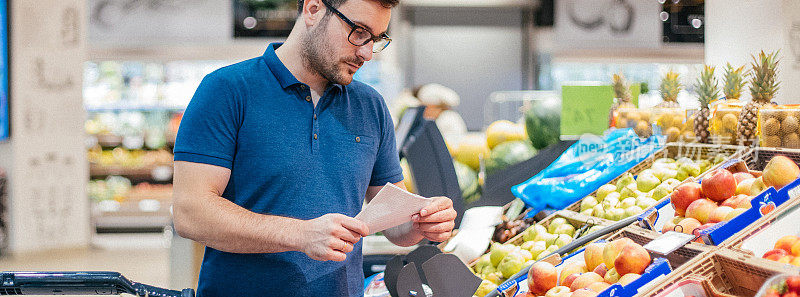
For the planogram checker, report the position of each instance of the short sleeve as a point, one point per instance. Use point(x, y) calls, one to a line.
point(387, 164)
point(209, 126)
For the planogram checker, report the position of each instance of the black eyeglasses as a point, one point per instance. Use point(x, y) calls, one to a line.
point(359, 35)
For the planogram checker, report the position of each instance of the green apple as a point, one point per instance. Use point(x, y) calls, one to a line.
point(588, 203)
point(599, 211)
point(587, 212)
point(605, 190)
point(632, 211)
point(624, 180)
point(563, 239)
point(627, 202)
point(647, 182)
point(498, 252)
point(646, 202)
point(566, 229)
point(555, 223)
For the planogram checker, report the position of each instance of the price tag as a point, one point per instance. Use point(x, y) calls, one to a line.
point(794, 192)
point(584, 109)
point(162, 173)
point(133, 142)
point(668, 243)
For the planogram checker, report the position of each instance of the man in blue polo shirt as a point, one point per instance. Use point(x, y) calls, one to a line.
point(275, 156)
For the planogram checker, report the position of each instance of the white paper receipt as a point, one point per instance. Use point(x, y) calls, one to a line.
point(392, 206)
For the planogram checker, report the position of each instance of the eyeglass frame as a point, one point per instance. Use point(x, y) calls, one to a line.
point(354, 26)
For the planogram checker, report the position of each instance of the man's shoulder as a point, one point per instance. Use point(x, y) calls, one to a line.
point(237, 70)
point(364, 91)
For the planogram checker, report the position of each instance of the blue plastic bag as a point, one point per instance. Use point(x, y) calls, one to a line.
point(585, 166)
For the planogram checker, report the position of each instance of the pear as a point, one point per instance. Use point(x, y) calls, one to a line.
point(605, 190)
point(647, 181)
point(498, 252)
point(588, 203)
point(624, 180)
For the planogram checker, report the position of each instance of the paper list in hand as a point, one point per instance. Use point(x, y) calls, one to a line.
point(392, 206)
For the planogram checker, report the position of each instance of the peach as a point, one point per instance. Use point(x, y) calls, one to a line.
point(785, 243)
point(601, 269)
point(780, 171)
point(688, 225)
point(542, 277)
point(628, 278)
point(593, 255)
point(701, 210)
point(719, 214)
point(633, 259)
point(719, 186)
point(684, 195)
point(585, 280)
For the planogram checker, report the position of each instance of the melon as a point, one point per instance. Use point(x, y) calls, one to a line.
point(470, 149)
point(503, 131)
point(467, 181)
point(507, 154)
point(543, 123)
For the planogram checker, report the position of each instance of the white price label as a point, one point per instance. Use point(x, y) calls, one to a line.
point(794, 192)
point(162, 173)
point(669, 242)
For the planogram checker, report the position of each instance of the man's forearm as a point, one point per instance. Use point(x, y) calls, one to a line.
point(220, 224)
point(403, 235)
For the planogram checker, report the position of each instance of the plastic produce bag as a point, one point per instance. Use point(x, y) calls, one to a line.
point(585, 166)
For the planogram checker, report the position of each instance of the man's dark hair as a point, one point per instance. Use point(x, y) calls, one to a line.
point(337, 3)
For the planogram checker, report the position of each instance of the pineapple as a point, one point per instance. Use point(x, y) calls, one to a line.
point(734, 82)
point(670, 86)
point(763, 86)
point(707, 91)
point(622, 92)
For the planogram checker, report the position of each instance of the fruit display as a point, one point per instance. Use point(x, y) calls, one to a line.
point(534, 243)
point(723, 195)
point(505, 144)
point(629, 195)
point(620, 261)
point(786, 251)
point(725, 117)
point(779, 126)
point(509, 229)
point(503, 131)
point(763, 86)
point(707, 91)
point(124, 158)
point(670, 87)
point(622, 99)
point(119, 188)
point(507, 154)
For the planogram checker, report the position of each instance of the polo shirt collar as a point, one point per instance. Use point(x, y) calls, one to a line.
point(282, 74)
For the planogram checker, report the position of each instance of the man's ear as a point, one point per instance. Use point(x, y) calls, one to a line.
point(313, 11)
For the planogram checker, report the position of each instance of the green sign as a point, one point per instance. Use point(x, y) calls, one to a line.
point(584, 109)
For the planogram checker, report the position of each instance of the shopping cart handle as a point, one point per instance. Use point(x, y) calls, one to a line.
point(79, 283)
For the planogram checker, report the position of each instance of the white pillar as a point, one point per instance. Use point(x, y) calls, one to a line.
point(735, 29)
point(46, 156)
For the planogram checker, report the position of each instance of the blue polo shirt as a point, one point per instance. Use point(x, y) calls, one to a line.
point(287, 158)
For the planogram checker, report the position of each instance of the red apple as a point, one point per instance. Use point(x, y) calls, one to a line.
point(570, 279)
point(740, 176)
point(585, 280)
point(719, 186)
point(542, 277)
point(701, 209)
point(632, 259)
point(688, 225)
point(786, 242)
point(668, 226)
point(738, 201)
point(793, 283)
point(684, 195)
point(601, 269)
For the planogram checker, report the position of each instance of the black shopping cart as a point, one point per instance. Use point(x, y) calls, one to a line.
point(79, 283)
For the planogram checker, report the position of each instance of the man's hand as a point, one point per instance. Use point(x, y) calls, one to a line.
point(331, 236)
point(436, 221)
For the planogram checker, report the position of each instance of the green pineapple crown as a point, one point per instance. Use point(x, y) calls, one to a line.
point(621, 87)
point(763, 81)
point(707, 89)
point(670, 86)
point(734, 82)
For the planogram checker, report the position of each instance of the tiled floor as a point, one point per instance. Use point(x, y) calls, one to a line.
point(140, 258)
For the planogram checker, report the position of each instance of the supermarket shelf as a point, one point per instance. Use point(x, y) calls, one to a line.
point(159, 172)
point(471, 3)
point(117, 107)
point(131, 223)
point(239, 49)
